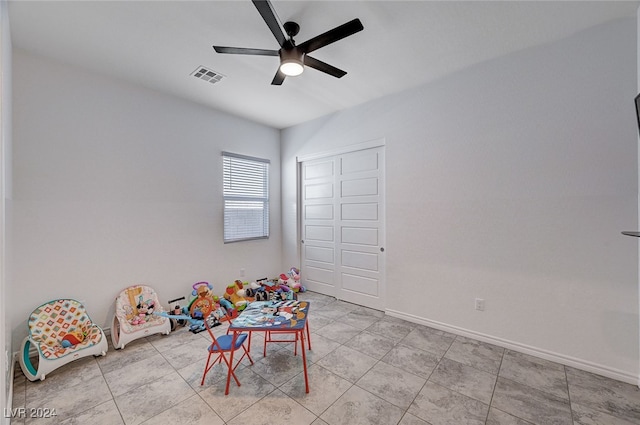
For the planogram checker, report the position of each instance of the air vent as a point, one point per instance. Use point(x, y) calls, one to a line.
point(207, 75)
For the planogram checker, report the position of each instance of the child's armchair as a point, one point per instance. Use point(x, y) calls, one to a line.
point(61, 331)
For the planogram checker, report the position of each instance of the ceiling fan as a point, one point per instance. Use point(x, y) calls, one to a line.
point(292, 57)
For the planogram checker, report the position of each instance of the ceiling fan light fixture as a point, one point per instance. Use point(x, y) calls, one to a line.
point(291, 63)
point(291, 68)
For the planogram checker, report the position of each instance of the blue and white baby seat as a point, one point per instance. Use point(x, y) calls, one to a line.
point(61, 331)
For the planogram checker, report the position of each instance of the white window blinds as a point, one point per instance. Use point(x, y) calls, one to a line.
point(246, 197)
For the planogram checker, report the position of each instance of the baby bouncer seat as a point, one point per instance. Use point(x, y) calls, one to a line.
point(134, 317)
point(61, 331)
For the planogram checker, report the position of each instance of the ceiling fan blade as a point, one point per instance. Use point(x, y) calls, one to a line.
point(245, 51)
point(278, 79)
point(324, 67)
point(331, 36)
point(265, 8)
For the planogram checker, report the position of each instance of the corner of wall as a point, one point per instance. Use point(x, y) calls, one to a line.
point(638, 73)
point(6, 377)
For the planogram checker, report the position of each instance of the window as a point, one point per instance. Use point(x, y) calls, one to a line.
point(246, 197)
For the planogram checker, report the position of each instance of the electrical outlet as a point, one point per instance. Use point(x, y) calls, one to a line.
point(241, 272)
point(479, 304)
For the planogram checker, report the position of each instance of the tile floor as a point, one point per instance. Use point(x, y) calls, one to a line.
point(366, 368)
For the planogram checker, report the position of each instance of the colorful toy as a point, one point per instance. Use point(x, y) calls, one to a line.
point(220, 310)
point(195, 318)
point(226, 304)
point(231, 294)
point(176, 310)
point(204, 288)
point(291, 279)
point(248, 291)
point(294, 274)
point(72, 338)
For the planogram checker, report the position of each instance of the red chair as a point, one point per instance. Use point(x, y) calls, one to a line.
point(204, 305)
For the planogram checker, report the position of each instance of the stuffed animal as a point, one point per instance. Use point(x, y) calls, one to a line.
point(72, 338)
point(294, 280)
point(284, 279)
point(231, 294)
point(294, 273)
point(145, 310)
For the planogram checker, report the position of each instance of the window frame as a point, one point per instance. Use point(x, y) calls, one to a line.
point(252, 194)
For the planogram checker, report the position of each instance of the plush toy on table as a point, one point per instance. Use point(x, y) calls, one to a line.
point(72, 338)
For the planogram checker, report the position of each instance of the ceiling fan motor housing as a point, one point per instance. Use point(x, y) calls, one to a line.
point(291, 28)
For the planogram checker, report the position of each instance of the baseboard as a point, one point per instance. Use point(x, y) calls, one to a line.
point(581, 364)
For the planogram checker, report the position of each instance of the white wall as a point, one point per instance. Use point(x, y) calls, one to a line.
point(5, 198)
point(116, 185)
point(509, 181)
point(638, 89)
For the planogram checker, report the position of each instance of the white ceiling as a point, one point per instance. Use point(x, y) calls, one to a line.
point(158, 44)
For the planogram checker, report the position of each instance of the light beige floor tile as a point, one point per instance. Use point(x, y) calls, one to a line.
point(192, 411)
point(153, 398)
point(362, 318)
point(320, 347)
point(413, 360)
point(68, 400)
point(104, 414)
point(476, 354)
point(185, 354)
point(428, 339)
point(347, 363)
point(530, 404)
point(338, 331)
point(498, 417)
point(134, 375)
point(409, 419)
point(133, 352)
point(252, 388)
point(534, 372)
point(391, 384)
point(175, 339)
point(275, 408)
point(392, 328)
point(583, 415)
point(376, 346)
point(279, 367)
point(464, 379)
point(616, 398)
point(440, 406)
point(360, 407)
point(325, 388)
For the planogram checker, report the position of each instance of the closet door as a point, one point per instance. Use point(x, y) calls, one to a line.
point(343, 226)
point(319, 206)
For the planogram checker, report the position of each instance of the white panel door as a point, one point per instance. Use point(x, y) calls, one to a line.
point(318, 225)
point(343, 226)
